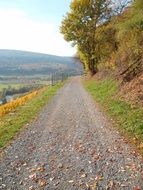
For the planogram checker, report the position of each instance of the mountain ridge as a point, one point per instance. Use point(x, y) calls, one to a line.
point(17, 62)
point(30, 52)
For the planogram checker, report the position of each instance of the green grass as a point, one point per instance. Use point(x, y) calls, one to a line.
point(127, 117)
point(11, 124)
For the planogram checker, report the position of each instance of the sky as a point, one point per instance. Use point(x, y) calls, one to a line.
point(33, 25)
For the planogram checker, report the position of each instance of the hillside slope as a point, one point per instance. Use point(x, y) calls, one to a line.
point(14, 62)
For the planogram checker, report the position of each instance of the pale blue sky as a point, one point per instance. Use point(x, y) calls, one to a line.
point(33, 25)
point(39, 9)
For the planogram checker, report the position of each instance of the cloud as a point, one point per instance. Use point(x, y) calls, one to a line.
point(18, 31)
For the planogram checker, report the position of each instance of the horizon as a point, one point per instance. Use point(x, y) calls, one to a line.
point(25, 51)
point(34, 26)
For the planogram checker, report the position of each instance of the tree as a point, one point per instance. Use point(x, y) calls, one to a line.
point(80, 24)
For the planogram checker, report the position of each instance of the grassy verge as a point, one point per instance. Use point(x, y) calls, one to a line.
point(127, 117)
point(11, 124)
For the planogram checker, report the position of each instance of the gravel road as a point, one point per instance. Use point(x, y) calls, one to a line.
point(71, 145)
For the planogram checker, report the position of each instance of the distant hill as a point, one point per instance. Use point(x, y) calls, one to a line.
point(13, 62)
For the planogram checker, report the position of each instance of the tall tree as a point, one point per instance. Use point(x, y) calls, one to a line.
point(80, 24)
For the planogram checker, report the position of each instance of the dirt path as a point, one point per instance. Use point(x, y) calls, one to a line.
point(70, 146)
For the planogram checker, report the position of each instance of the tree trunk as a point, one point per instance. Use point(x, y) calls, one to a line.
point(93, 67)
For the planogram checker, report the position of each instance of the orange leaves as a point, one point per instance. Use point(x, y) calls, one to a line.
point(9, 107)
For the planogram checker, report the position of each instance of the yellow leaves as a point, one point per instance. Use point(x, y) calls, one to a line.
point(92, 187)
point(7, 108)
point(42, 182)
point(141, 146)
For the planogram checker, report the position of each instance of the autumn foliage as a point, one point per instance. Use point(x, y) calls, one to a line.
point(11, 106)
point(107, 33)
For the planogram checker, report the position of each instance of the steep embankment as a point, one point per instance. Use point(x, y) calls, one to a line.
point(132, 91)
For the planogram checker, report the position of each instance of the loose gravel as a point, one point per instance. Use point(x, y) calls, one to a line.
point(70, 146)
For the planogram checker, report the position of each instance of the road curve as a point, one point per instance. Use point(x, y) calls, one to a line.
point(71, 145)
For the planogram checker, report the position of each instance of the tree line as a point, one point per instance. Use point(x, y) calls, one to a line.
point(106, 33)
point(11, 91)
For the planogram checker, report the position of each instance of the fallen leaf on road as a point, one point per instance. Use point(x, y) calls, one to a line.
point(57, 183)
point(41, 169)
point(84, 175)
point(33, 176)
point(31, 188)
point(98, 178)
point(80, 183)
point(42, 182)
point(110, 185)
point(109, 150)
point(94, 186)
point(87, 185)
point(71, 181)
point(52, 178)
